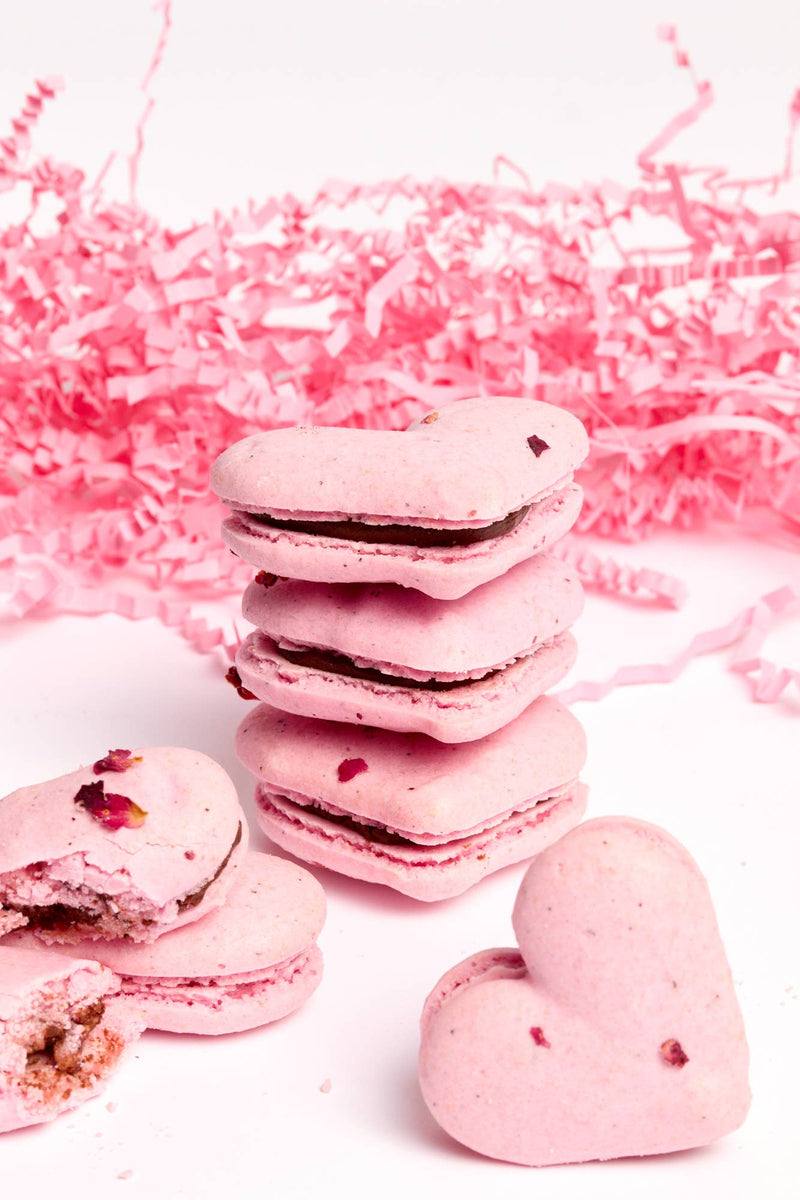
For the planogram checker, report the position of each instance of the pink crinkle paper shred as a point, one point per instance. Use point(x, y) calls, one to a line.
point(131, 354)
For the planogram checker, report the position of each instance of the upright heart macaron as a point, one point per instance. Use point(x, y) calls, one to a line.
point(457, 499)
point(397, 659)
point(249, 962)
point(135, 844)
point(63, 1031)
point(614, 1030)
point(425, 818)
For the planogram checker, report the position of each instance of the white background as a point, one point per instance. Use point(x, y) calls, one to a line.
point(257, 98)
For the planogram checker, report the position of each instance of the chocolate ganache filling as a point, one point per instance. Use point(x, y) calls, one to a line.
point(340, 664)
point(194, 898)
point(398, 535)
point(371, 833)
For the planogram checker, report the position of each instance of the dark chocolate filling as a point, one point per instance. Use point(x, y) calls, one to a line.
point(340, 664)
point(194, 898)
point(56, 918)
point(398, 535)
point(371, 833)
point(46, 1050)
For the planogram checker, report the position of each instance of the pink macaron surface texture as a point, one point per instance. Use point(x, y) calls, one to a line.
point(613, 1031)
point(471, 462)
point(468, 465)
point(132, 849)
point(251, 961)
point(461, 811)
point(502, 645)
point(63, 1031)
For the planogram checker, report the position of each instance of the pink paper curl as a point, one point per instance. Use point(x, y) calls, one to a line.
point(131, 354)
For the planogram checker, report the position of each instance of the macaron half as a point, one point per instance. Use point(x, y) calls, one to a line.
point(613, 1030)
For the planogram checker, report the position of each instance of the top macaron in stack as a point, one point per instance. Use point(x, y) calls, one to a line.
point(407, 627)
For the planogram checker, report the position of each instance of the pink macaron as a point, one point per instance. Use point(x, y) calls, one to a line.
point(397, 659)
point(251, 961)
point(457, 499)
point(63, 1031)
point(135, 844)
point(423, 817)
point(613, 1030)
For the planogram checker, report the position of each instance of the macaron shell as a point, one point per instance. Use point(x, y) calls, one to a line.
point(461, 715)
point(624, 1036)
point(274, 910)
point(411, 782)
point(469, 461)
point(529, 605)
point(211, 1008)
point(440, 572)
point(423, 872)
point(193, 817)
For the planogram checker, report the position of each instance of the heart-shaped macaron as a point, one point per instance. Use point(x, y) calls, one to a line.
point(613, 1031)
point(455, 500)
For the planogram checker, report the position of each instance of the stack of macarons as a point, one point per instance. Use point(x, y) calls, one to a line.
point(129, 900)
point(409, 622)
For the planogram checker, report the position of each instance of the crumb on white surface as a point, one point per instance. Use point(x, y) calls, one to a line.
point(126, 1174)
point(325, 1086)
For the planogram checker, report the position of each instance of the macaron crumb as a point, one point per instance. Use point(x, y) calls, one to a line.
point(325, 1086)
point(111, 1106)
point(126, 1174)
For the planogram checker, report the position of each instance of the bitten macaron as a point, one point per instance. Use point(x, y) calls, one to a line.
point(133, 845)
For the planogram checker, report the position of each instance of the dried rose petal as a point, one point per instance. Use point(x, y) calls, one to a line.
point(538, 445)
point(538, 1036)
point(673, 1053)
point(266, 578)
point(234, 678)
point(350, 767)
point(115, 760)
point(431, 417)
point(113, 811)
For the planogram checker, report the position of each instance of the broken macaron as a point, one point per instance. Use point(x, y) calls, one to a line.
point(132, 845)
point(249, 962)
point(455, 500)
point(397, 659)
point(63, 1031)
point(426, 818)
